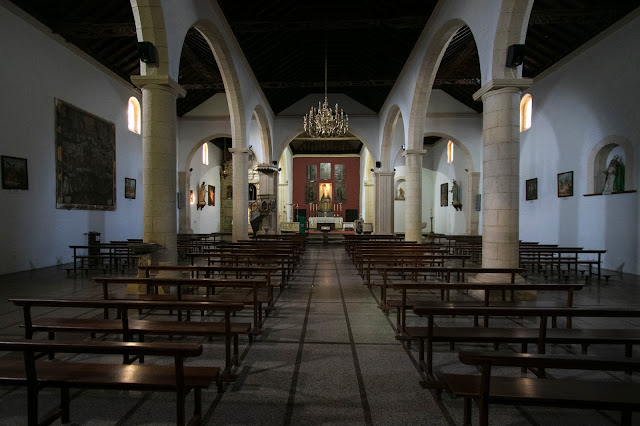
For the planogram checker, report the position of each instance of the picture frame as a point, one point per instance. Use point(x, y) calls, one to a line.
point(85, 159)
point(129, 188)
point(444, 194)
point(531, 189)
point(338, 172)
point(14, 173)
point(325, 171)
point(211, 196)
point(565, 184)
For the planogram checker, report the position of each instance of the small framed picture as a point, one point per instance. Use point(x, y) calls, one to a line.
point(444, 194)
point(129, 188)
point(211, 197)
point(14, 173)
point(565, 184)
point(531, 189)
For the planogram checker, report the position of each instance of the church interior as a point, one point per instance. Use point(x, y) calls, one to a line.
point(249, 212)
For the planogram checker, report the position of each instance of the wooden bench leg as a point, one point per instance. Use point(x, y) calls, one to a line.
point(197, 406)
point(65, 405)
point(467, 411)
point(51, 336)
point(626, 418)
point(236, 359)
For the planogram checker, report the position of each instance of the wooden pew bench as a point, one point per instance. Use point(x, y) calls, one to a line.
point(575, 393)
point(417, 298)
point(250, 294)
point(84, 375)
point(128, 328)
point(538, 335)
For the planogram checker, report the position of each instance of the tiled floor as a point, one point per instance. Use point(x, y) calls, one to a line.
point(328, 356)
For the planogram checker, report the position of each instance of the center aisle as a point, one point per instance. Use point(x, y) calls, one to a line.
point(328, 355)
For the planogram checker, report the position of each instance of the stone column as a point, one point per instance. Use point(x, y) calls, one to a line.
point(473, 216)
point(500, 172)
point(240, 228)
point(184, 214)
point(369, 202)
point(383, 184)
point(159, 164)
point(268, 176)
point(413, 194)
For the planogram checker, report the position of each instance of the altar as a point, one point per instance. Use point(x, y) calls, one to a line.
point(314, 222)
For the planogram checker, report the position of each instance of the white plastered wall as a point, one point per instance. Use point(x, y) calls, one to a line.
point(37, 68)
point(575, 106)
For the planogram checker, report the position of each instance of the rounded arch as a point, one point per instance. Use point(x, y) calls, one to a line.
point(265, 133)
point(293, 134)
point(223, 57)
point(598, 161)
point(197, 146)
point(511, 29)
point(468, 159)
point(424, 83)
point(149, 18)
point(393, 116)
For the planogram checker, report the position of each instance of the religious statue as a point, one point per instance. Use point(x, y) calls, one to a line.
point(614, 176)
point(359, 225)
point(325, 201)
point(455, 190)
point(201, 194)
point(400, 194)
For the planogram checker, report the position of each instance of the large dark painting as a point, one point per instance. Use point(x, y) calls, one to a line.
point(531, 189)
point(340, 193)
point(311, 193)
point(312, 173)
point(85, 160)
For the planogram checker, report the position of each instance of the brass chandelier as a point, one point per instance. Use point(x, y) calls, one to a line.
point(322, 122)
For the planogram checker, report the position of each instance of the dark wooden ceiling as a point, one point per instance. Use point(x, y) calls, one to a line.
point(368, 42)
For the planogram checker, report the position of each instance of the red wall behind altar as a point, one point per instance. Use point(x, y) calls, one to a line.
point(351, 179)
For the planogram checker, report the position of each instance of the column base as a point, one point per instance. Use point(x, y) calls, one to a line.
point(496, 296)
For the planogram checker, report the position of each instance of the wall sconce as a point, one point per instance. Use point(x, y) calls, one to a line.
point(404, 148)
point(371, 170)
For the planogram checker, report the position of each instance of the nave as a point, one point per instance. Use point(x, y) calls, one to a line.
point(328, 355)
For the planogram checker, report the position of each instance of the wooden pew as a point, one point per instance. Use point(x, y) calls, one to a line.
point(66, 374)
point(404, 302)
point(540, 335)
point(576, 393)
point(253, 298)
point(370, 261)
point(128, 328)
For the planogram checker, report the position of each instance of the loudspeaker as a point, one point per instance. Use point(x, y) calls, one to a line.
point(515, 55)
point(147, 52)
point(378, 164)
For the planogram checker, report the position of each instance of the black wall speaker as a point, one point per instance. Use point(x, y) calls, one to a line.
point(147, 52)
point(378, 164)
point(515, 55)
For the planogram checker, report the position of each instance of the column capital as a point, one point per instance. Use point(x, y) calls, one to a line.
point(415, 152)
point(384, 173)
point(235, 151)
point(368, 183)
point(514, 84)
point(142, 81)
point(266, 168)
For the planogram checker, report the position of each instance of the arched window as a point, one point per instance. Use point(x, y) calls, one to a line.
point(450, 152)
point(205, 154)
point(133, 115)
point(526, 110)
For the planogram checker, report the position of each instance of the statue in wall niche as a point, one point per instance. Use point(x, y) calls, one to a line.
point(455, 190)
point(400, 194)
point(614, 176)
point(201, 197)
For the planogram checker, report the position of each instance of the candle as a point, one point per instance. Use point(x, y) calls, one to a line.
point(431, 211)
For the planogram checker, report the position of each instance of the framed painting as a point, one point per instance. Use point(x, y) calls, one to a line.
point(85, 160)
point(325, 171)
point(14, 173)
point(311, 193)
point(338, 172)
point(565, 184)
point(340, 193)
point(211, 197)
point(129, 188)
point(312, 172)
point(531, 189)
point(444, 194)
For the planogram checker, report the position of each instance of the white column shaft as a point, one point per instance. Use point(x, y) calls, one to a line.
point(413, 195)
point(383, 223)
point(240, 227)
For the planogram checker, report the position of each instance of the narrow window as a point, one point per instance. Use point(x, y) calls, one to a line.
point(526, 109)
point(133, 115)
point(450, 152)
point(205, 154)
